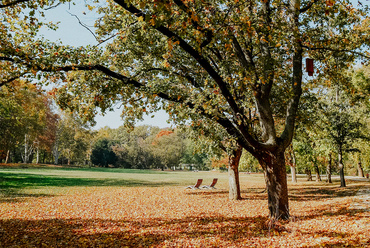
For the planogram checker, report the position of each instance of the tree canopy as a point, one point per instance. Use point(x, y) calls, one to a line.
point(227, 63)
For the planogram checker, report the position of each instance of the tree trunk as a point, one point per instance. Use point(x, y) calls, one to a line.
point(293, 167)
point(328, 169)
point(56, 152)
point(234, 184)
point(276, 182)
point(290, 160)
point(341, 168)
point(309, 175)
point(317, 170)
point(37, 155)
point(359, 167)
point(7, 156)
point(25, 158)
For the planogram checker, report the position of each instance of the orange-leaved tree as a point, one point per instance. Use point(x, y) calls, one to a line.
point(212, 60)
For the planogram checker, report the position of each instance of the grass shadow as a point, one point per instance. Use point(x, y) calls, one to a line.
point(323, 192)
point(12, 185)
point(212, 231)
point(305, 193)
point(125, 233)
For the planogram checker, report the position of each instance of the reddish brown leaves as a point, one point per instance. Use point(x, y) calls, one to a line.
point(174, 217)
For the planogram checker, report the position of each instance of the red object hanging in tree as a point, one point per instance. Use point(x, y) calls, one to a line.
point(309, 66)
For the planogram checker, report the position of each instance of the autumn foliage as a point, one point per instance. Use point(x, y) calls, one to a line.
point(174, 217)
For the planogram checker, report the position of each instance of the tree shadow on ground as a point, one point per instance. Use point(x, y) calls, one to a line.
point(323, 192)
point(305, 193)
point(213, 231)
point(12, 185)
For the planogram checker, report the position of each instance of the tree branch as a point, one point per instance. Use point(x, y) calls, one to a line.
point(12, 3)
point(199, 58)
point(208, 33)
point(85, 26)
point(308, 6)
point(337, 50)
point(11, 79)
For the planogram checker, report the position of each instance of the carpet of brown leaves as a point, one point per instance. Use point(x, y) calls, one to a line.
point(175, 217)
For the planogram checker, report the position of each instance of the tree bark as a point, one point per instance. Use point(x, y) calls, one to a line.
point(341, 168)
point(37, 155)
point(359, 167)
point(234, 184)
point(294, 174)
point(328, 169)
point(293, 167)
point(309, 175)
point(56, 152)
point(7, 156)
point(276, 182)
point(290, 159)
point(317, 170)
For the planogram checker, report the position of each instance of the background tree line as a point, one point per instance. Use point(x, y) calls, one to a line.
point(335, 120)
point(32, 131)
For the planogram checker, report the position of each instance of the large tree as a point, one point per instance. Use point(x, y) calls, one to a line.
point(218, 60)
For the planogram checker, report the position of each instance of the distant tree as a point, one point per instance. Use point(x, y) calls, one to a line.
point(168, 148)
point(133, 146)
point(24, 108)
point(102, 154)
point(343, 124)
point(73, 139)
point(192, 156)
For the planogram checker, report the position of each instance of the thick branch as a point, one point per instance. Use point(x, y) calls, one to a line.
point(7, 59)
point(264, 85)
point(12, 3)
point(296, 83)
point(11, 80)
point(199, 58)
point(308, 6)
point(208, 33)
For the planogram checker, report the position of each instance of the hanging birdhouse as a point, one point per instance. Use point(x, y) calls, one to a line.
point(309, 66)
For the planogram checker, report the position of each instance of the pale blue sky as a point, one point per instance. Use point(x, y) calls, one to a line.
point(72, 33)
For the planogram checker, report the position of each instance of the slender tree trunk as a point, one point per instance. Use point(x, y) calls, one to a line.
point(25, 158)
point(294, 174)
point(290, 159)
point(309, 175)
point(317, 170)
point(341, 167)
point(293, 167)
point(56, 152)
point(37, 155)
point(7, 156)
point(328, 169)
point(276, 182)
point(234, 184)
point(359, 167)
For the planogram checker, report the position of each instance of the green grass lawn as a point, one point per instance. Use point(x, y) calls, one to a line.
point(41, 181)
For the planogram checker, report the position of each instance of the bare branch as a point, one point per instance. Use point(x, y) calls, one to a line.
point(54, 6)
point(85, 26)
